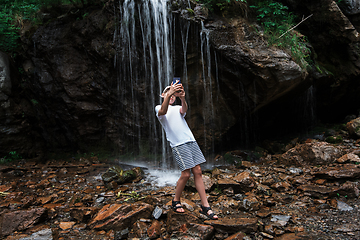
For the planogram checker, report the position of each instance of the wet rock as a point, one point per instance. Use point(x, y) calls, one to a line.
point(139, 230)
point(297, 236)
point(118, 175)
point(347, 228)
point(193, 231)
point(343, 206)
point(226, 202)
point(66, 225)
point(354, 127)
point(157, 212)
point(83, 214)
point(349, 157)
point(208, 182)
point(281, 186)
point(318, 191)
point(176, 221)
point(139, 174)
point(250, 203)
point(342, 172)
point(281, 220)
point(45, 234)
point(154, 231)
point(21, 220)
point(120, 216)
point(236, 236)
point(296, 171)
point(229, 183)
point(317, 153)
point(349, 189)
point(234, 225)
point(245, 180)
point(122, 234)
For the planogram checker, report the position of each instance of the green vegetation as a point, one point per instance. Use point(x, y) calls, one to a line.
point(13, 14)
point(334, 139)
point(133, 196)
point(277, 22)
point(12, 156)
point(222, 5)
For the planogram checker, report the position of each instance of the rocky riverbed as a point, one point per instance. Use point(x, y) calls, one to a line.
point(309, 192)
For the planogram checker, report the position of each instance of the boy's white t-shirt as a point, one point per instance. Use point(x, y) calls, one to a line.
point(175, 126)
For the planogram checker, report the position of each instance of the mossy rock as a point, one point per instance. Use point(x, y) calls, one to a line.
point(334, 139)
point(118, 175)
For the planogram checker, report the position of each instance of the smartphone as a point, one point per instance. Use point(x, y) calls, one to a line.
point(176, 79)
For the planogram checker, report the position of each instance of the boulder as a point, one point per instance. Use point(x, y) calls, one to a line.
point(194, 231)
point(120, 216)
point(349, 157)
point(177, 222)
point(208, 182)
point(233, 225)
point(119, 176)
point(21, 220)
point(317, 153)
point(353, 127)
point(346, 171)
point(318, 191)
point(245, 180)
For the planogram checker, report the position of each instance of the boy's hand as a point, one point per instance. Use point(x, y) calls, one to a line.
point(180, 94)
point(175, 88)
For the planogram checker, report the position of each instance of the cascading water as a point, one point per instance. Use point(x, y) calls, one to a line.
point(207, 82)
point(145, 40)
point(144, 66)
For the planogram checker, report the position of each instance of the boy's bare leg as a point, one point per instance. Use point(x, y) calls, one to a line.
point(180, 185)
point(200, 187)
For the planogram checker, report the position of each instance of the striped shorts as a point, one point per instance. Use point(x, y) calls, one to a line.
point(188, 155)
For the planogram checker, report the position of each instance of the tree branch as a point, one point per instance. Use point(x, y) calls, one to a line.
point(303, 20)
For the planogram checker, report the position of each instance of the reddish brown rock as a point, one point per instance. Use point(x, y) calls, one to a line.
point(120, 216)
point(229, 183)
point(250, 203)
point(318, 191)
point(154, 231)
point(139, 230)
point(236, 236)
point(342, 172)
point(83, 214)
point(354, 127)
point(66, 225)
point(317, 153)
point(208, 182)
point(193, 231)
point(281, 186)
point(21, 220)
point(349, 157)
point(229, 225)
point(348, 189)
point(176, 220)
point(297, 236)
point(245, 180)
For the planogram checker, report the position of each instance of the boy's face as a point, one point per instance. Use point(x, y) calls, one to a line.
point(172, 97)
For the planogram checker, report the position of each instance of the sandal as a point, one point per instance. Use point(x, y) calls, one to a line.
point(205, 210)
point(175, 207)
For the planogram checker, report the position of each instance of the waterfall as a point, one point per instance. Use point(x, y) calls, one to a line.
point(145, 40)
point(309, 103)
point(208, 107)
point(143, 62)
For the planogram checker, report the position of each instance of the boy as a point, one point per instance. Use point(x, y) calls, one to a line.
point(185, 149)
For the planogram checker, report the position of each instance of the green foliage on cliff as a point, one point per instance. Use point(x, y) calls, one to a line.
point(277, 21)
point(13, 13)
point(221, 5)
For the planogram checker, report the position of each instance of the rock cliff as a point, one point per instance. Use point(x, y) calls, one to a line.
point(73, 94)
